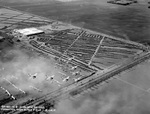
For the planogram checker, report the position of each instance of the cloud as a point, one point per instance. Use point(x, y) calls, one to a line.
point(115, 97)
point(19, 65)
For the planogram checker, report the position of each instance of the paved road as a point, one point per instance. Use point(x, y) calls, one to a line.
point(100, 43)
point(100, 78)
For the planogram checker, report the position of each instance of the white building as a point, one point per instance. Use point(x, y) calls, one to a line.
point(28, 31)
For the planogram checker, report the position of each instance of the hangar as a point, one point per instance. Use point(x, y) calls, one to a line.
point(28, 31)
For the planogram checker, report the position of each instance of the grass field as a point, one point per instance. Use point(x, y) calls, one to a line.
point(129, 22)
